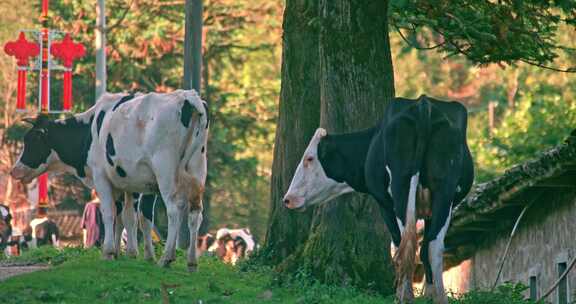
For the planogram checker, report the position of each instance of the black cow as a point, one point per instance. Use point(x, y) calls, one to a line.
point(415, 163)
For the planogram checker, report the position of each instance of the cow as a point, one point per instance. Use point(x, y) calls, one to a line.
point(415, 163)
point(5, 227)
point(204, 243)
point(146, 143)
point(42, 231)
point(231, 245)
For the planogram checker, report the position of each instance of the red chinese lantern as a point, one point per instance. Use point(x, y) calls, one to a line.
point(67, 51)
point(22, 49)
point(43, 190)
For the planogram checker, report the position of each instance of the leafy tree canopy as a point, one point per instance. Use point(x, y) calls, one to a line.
point(495, 31)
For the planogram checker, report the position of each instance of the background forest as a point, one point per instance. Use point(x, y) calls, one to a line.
point(534, 108)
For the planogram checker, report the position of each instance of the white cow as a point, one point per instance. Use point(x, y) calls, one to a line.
point(148, 143)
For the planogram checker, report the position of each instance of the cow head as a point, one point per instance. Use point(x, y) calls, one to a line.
point(37, 154)
point(310, 184)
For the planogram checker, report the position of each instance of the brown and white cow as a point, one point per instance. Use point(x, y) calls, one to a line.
point(147, 143)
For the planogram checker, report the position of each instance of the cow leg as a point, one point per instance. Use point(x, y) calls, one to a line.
point(425, 258)
point(146, 210)
point(404, 194)
point(436, 252)
point(106, 195)
point(130, 220)
point(118, 227)
point(174, 210)
point(194, 221)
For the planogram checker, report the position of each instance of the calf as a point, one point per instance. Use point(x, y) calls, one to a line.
point(232, 245)
point(415, 163)
point(149, 143)
point(43, 231)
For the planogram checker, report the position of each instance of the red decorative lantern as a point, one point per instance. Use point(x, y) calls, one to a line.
point(43, 190)
point(67, 51)
point(22, 49)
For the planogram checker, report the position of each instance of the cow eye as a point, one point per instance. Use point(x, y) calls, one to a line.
point(310, 159)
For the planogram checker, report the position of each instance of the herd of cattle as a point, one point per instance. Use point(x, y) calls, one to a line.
point(415, 163)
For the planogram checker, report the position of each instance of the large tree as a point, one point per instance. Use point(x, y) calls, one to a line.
point(337, 68)
point(343, 81)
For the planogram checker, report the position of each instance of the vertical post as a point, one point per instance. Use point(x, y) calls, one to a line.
point(100, 45)
point(192, 77)
point(193, 45)
point(44, 52)
point(44, 99)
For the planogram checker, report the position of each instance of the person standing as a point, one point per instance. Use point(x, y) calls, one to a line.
point(92, 223)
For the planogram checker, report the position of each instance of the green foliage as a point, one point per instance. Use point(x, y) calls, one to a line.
point(541, 120)
point(489, 31)
point(504, 294)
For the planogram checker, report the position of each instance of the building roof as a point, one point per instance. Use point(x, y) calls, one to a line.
point(494, 206)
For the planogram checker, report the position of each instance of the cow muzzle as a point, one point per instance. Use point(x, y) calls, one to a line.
point(293, 202)
point(22, 173)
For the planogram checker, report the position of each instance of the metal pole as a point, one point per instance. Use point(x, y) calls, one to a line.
point(100, 45)
point(192, 77)
point(193, 45)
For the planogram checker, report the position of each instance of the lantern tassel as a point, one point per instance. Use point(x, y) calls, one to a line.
point(67, 103)
point(43, 190)
point(21, 93)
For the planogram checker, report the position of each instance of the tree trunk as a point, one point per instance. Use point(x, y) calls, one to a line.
point(299, 116)
point(347, 241)
point(192, 75)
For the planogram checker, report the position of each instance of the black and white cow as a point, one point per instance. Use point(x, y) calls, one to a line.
point(148, 143)
point(415, 163)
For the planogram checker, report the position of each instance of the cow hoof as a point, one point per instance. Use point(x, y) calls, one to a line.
point(192, 267)
point(440, 299)
point(109, 256)
point(429, 291)
point(149, 258)
point(165, 262)
point(132, 253)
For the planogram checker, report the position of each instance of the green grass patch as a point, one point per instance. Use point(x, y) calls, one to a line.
point(81, 276)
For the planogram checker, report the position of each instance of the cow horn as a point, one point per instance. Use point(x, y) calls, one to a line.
point(321, 132)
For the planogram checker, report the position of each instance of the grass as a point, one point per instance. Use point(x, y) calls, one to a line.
point(81, 276)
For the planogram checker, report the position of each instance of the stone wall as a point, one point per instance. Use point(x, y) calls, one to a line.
point(545, 237)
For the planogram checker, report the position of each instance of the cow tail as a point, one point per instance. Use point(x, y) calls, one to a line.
point(405, 257)
point(197, 136)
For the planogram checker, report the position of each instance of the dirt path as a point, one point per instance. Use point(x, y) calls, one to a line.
point(10, 271)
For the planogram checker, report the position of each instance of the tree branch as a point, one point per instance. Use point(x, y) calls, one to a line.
point(417, 46)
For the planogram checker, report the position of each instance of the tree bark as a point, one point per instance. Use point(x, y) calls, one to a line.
point(299, 116)
point(346, 242)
